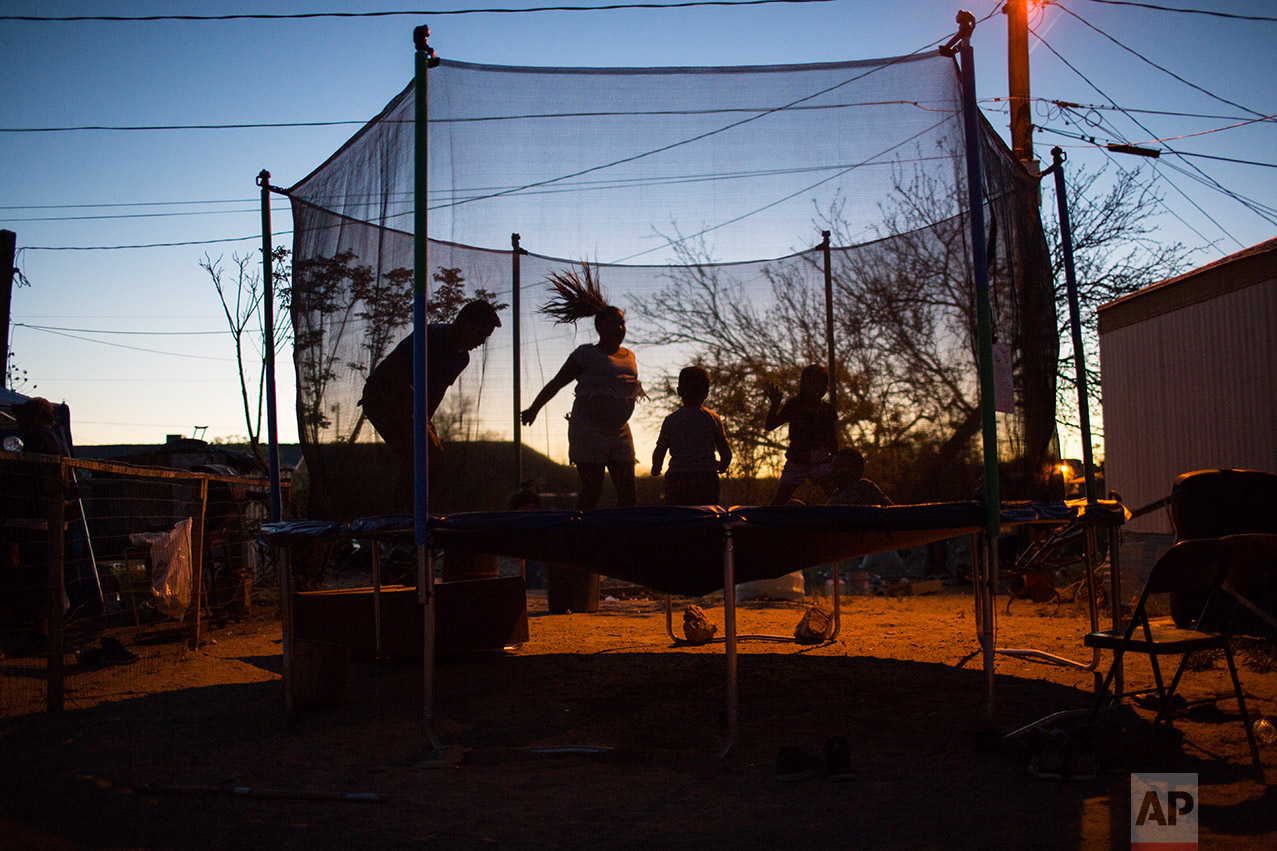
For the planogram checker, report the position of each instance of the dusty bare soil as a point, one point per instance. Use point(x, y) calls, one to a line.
point(894, 682)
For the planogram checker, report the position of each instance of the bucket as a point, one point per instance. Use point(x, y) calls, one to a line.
point(571, 590)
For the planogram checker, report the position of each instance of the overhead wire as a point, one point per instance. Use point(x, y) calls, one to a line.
point(124, 346)
point(1165, 139)
point(1095, 143)
point(294, 16)
point(648, 113)
point(1164, 70)
point(256, 236)
point(1211, 12)
point(774, 203)
point(1171, 183)
point(698, 137)
point(615, 183)
point(263, 125)
point(112, 331)
point(1260, 209)
point(114, 216)
point(123, 204)
point(1098, 106)
point(1211, 181)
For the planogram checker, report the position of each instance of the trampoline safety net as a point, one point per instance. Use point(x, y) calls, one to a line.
point(700, 196)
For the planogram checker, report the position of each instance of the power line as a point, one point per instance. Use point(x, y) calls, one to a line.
point(1267, 211)
point(392, 14)
point(256, 236)
point(172, 214)
point(1137, 123)
point(125, 127)
point(1171, 73)
point(181, 379)
point(537, 116)
point(585, 185)
point(109, 331)
point(799, 102)
point(1264, 211)
point(1210, 12)
point(458, 196)
point(1257, 209)
point(1063, 104)
point(131, 348)
point(1223, 159)
point(124, 204)
point(1081, 137)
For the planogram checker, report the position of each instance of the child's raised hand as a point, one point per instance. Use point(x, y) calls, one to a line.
point(773, 393)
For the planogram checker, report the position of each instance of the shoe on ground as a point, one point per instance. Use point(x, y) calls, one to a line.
point(1050, 762)
point(697, 628)
point(815, 627)
point(794, 763)
point(115, 653)
point(838, 760)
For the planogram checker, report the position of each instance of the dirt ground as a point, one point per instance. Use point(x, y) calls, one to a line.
point(897, 683)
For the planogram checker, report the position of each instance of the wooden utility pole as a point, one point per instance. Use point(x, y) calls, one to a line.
point(8, 248)
point(1017, 12)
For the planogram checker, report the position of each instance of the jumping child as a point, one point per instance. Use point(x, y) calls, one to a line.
point(607, 385)
point(692, 435)
point(813, 432)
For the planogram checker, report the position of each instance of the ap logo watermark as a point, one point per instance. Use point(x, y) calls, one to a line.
point(1164, 811)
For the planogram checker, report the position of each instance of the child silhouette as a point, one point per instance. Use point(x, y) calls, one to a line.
point(813, 432)
point(696, 442)
point(607, 385)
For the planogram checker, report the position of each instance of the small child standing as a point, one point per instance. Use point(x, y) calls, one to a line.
point(813, 432)
point(697, 444)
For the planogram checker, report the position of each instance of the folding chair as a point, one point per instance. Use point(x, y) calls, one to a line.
point(1189, 566)
point(1215, 504)
point(1251, 580)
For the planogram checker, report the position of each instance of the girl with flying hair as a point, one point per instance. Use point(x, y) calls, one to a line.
point(607, 386)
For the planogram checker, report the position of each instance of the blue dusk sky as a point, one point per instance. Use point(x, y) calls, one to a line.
point(134, 339)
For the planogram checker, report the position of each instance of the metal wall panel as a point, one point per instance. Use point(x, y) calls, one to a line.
point(1190, 389)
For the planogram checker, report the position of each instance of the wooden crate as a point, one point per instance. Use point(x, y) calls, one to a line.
point(471, 616)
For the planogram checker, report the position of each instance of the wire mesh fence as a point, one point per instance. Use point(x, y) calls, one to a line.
point(111, 572)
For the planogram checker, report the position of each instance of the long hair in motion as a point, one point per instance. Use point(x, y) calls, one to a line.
point(574, 295)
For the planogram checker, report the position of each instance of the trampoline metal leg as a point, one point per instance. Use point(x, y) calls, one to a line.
point(1115, 598)
point(426, 596)
point(988, 581)
point(376, 596)
point(837, 605)
point(286, 627)
point(729, 626)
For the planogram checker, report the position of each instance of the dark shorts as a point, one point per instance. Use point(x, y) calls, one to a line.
point(691, 488)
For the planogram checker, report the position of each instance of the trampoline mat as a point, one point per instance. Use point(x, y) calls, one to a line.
point(680, 550)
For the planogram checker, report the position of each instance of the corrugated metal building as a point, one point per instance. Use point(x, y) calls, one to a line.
point(1189, 371)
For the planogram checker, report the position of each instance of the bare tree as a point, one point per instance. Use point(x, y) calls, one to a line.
point(242, 303)
point(1116, 251)
point(905, 325)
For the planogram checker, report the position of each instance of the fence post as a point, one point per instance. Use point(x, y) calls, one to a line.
point(197, 566)
point(55, 491)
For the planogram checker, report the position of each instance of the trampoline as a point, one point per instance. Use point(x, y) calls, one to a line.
point(694, 551)
point(360, 203)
